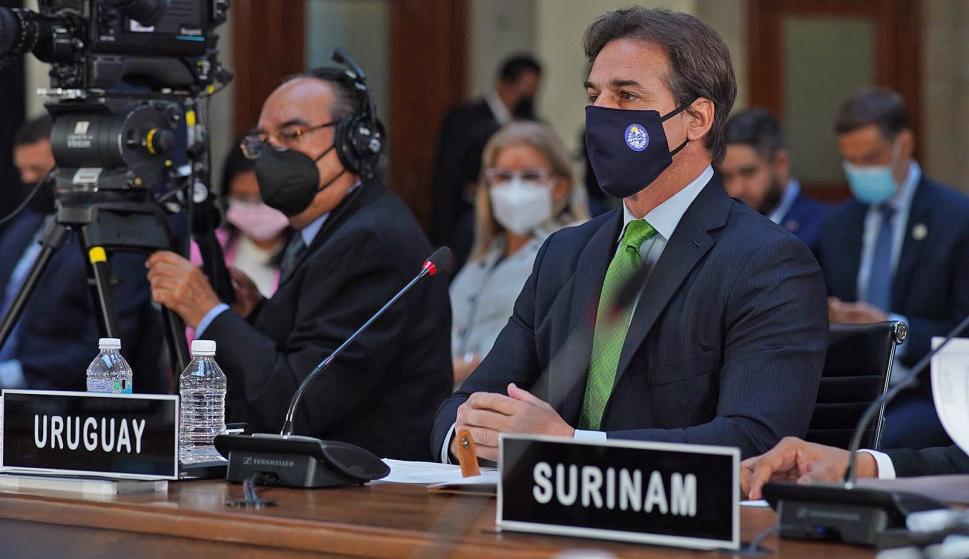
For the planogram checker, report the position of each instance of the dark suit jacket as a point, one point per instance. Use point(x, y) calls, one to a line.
point(930, 282)
point(59, 327)
point(382, 391)
point(805, 218)
point(725, 347)
point(945, 460)
point(463, 135)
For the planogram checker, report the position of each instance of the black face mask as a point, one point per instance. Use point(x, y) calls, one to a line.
point(289, 180)
point(525, 108)
point(627, 148)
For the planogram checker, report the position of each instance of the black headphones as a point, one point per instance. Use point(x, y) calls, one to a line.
point(358, 138)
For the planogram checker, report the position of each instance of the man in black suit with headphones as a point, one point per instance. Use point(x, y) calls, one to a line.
point(316, 154)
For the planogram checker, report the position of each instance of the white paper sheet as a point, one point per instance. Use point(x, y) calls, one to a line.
point(759, 503)
point(430, 473)
point(950, 389)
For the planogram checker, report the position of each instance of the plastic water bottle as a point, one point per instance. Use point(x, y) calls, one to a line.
point(109, 372)
point(202, 408)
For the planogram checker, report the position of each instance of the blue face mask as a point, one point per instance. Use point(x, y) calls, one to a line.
point(872, 184)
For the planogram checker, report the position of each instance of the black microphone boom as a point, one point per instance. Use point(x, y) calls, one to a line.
point(296, 461)
point(846, 512)
point(889, 395)
point(430, 267)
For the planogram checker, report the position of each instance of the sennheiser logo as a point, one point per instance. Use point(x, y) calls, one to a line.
point(270, 462)
point(81, 126)
point(247, 460)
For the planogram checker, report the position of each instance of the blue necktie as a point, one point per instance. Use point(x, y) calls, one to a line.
point(880, 278)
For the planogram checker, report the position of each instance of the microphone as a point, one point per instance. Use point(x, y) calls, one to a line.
point(430, 268)
point(846, 512)
point(888, 396)
point(298, 461)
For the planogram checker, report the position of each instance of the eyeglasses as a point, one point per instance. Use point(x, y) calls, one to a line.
point(498, 176)
point(286, 138)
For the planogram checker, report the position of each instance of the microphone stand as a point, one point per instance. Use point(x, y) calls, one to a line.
point(848, 513)
point(298, 461)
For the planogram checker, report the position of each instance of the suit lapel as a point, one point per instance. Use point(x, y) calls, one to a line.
point(572, 369)
point(351, 203)
point(690, 242)
point(919, 216)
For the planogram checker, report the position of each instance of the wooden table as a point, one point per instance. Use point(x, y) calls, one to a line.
point(379, 520)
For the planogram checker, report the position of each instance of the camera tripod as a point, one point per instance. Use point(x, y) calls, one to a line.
point(131, 222)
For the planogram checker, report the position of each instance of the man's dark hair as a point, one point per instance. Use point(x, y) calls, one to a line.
point(758, 129)
point(33, 130)
point(699, 59)
point(873, 105)
point(515, 66)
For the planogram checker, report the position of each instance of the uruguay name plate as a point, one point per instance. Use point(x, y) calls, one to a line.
point(659, 493)
point(133, 436)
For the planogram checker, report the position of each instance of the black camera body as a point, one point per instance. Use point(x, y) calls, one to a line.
point(161, 45)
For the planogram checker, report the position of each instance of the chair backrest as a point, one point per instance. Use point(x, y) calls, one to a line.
point(856, 372)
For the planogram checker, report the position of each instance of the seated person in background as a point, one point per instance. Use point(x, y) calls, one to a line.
point(356, 245)
point(463, 134)
point(797, 461)
point(253, 235)
point(57, 335)
point(899, 250)
point(726, 341)
point(526, 193)
point(757, 171)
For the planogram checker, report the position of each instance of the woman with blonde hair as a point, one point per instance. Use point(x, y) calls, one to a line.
point(526, 192)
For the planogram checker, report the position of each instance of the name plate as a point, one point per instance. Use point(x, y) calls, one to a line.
point(132, 436)
point(658, 493)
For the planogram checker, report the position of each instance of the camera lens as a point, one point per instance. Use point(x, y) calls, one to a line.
point(18, 31)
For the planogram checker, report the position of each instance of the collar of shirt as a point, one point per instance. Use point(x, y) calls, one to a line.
point(309, 232)
point(498, 108)
point(902, 200)
point(666, 216)
point(791, 193)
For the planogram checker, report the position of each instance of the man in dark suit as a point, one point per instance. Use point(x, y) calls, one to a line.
point(899, 250)
point(726, 341)
point(464, 133)
point(356, 245)
point(795, 460)
point(757, 171)
point(57, 334)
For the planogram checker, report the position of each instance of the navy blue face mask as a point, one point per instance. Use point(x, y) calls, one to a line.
point(628, 148)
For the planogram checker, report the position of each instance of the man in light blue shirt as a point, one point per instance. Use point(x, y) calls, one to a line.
point(898, 251)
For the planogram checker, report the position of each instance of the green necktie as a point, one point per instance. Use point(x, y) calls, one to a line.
point(610, 331)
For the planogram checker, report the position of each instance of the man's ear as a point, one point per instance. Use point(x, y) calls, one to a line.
point(701, 114)
point(906, 149)
point(781, 163)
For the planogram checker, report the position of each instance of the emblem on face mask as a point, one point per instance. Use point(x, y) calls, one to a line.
point(636, 137)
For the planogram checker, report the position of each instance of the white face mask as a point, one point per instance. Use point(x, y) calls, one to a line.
point(521, 206)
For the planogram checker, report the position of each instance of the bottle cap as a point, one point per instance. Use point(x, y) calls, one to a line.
point(204, 348)
point(109, 343)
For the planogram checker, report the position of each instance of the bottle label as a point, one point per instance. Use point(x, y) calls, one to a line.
point(98, 385)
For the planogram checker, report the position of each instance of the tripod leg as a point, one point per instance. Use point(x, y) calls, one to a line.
point(52, 240)
point(177, 346)
point(101, 274)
